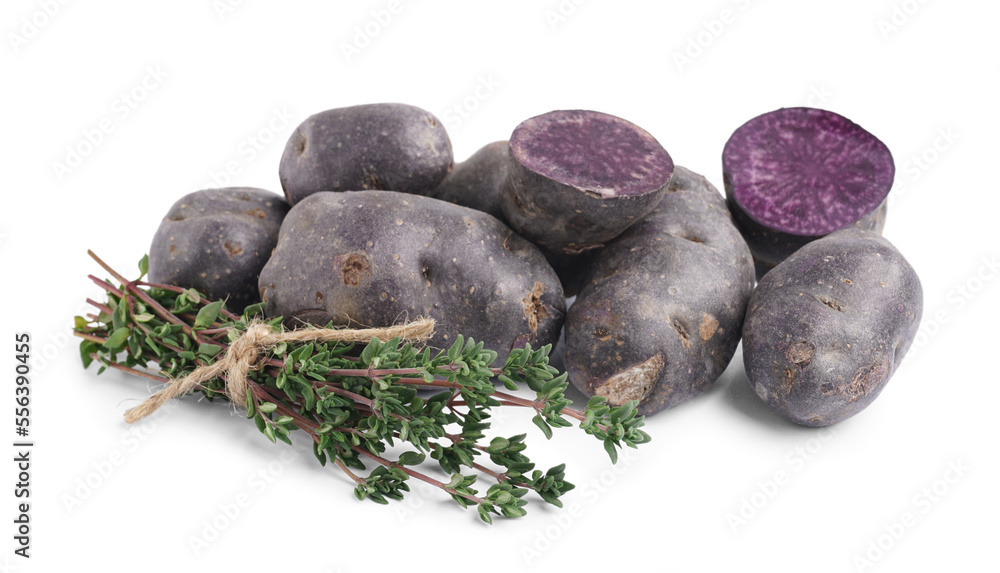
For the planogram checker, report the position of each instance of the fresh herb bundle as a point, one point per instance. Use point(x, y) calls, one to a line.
point(355, 405)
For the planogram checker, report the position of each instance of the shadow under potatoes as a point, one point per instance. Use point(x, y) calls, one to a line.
point(734, 389)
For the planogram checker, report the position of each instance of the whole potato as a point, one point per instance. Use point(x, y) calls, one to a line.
point(659, 314)
point(217, 241)
point(379, 257)
point(826, 328)
point(389, 146)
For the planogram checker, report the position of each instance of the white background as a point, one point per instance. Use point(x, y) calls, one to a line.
point(180, 90)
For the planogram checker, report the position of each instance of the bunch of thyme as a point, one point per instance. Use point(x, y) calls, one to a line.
point(355, 405)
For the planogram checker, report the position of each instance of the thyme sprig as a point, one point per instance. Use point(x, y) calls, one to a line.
point(356, 405)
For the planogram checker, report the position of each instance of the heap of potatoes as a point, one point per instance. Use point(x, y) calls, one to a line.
point(379, 226)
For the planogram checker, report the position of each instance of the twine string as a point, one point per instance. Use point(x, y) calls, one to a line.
point(259, 337)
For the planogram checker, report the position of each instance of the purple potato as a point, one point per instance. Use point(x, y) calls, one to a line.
point(797, 174)
point(388, 146)
point(659, 316)
point(217, 241)
point(572, 269)
point(826, 328)
point(376, 258)
point(577, 179)
point(476, 181)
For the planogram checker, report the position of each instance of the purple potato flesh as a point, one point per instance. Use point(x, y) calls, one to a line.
point(476, 181)
point(826, 328)
point(217, 241)
point(388, 146)
point(378, 258)
point(659, 314)
point(796, 174)
point(577, 179)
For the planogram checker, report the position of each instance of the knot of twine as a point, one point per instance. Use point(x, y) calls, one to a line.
point(244, 353)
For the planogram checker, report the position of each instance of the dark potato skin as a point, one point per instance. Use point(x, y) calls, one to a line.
point(217, 241)
point(476, 181)
point(770, 247)
point(826, 328)
point(390, 146)
point(659, 317)
point(378, 258)
point(567, 222)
